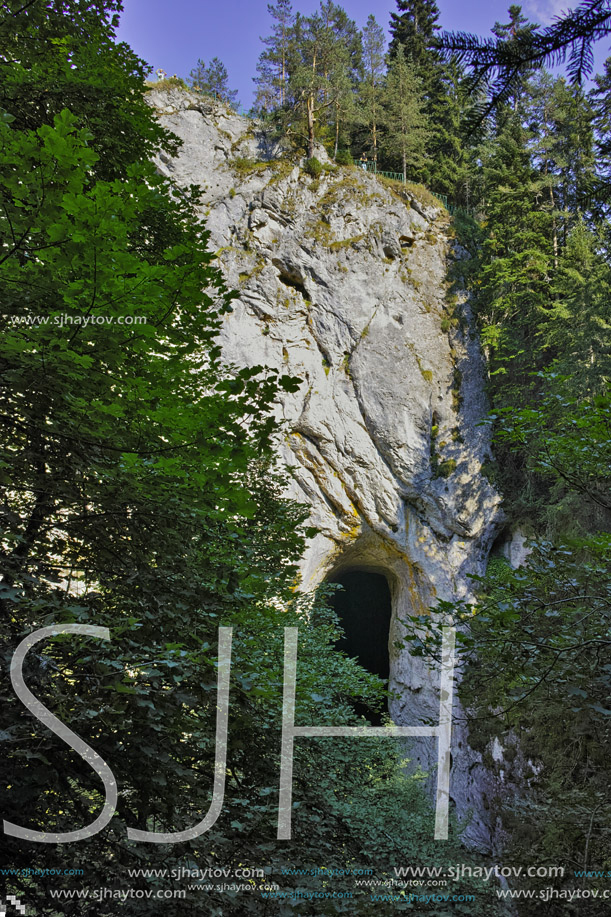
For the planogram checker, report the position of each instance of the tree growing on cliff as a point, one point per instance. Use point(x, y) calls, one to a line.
point(213, 80)
point(273, 66)
point(320, 87)
point(371, 88)
point(406, 126)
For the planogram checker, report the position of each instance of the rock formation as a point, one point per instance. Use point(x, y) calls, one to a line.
point(343, 282)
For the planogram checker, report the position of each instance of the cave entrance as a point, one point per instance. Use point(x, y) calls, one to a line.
point(364, 608)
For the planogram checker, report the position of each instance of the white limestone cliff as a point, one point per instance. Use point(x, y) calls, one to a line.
point(344, 282)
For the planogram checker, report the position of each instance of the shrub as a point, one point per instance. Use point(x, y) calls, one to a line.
point(344, 158)
point(313, 167)
point(170, 82)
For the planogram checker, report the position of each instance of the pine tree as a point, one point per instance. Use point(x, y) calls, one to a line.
point(500, 66)
point(213, 80)
point(344, 104)
point(415, 30)
point(575, 138)
point(371, 89)
point(578, 329)
point(345, 34)
point(516, 29)
point(322, 75)
point(563, 150)
point(514, 265)
point(406, 125)
point(601, 100)
point(342, 67)
point(273, 65)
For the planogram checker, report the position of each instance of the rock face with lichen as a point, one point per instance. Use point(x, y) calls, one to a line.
point(343, 281)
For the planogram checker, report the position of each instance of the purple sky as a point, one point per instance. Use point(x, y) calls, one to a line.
point(172, 35)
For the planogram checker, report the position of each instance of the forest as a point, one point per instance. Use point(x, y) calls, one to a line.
point(141, 490)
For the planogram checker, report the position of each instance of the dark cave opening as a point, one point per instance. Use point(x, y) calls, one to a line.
point(364, 608)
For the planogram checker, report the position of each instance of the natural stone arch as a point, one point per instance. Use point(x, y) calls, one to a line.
point(413, 682)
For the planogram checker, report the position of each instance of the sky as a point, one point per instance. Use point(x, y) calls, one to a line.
point(173, 35)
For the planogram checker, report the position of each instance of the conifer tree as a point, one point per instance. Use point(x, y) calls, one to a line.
point(213, 80)
point(322, 75)
point(406, 125)
point(517, 28)
point(578, 329)
point(514, 262)
point(344, 100)
point(500, 66)
point(414, 29)
point(563, 150)
point(601, 99)
point(371, 89)
point(273, 65)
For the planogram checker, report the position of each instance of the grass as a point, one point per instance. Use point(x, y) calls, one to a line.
point(350, 184)
point(408, 191)
point(423, 195)
point(170, 82)
point(244, 166)
point(445, 469)
point(245, 276)
point(345, 243)
point(282, 169)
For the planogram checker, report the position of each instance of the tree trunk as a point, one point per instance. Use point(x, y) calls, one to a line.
point(554, 227)
point(311, 121)
point(283, 83)
point(336, 131)
point(553, 209)
point(374, 136)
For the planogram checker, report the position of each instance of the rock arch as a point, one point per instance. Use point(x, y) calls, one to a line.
point(413, 682)
point(363, 605)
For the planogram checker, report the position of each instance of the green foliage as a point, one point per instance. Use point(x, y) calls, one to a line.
point(81, 69)
point(363, 789)
point(167, 83)
point(446, 99)
point(213, 80)
point(313, 167)
point(413, 29)
point(320, 78)
point(344, 158)
point(273, 65)
point(244, 166)
point(406, 125)
point(568, 444)
point(308, 73)
point(534, 645)
point(500, 65)
point(535, 648)
point(371, 87)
